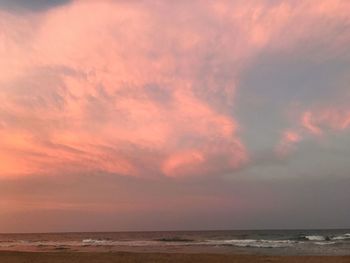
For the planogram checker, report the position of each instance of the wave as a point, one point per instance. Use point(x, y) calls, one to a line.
point(174, 239)
point(95, 241)
point(188, 242)
point(315, 238)
point(324, 243)
point(252, 243)
point(129, 243)
point(326, 238)
point(342, 237)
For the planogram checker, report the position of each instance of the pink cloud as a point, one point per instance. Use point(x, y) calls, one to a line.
point(90, 108)
point(136, 88)
point(309, 124)
point(288, 142)
point(178, 163)
point(336, 119)
point(317, 122)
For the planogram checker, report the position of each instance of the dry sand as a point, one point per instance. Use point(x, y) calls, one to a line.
point(90, 257)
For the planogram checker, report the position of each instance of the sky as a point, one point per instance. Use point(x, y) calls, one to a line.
point(174, 115)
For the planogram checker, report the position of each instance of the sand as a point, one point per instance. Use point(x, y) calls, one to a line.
point(91, 257)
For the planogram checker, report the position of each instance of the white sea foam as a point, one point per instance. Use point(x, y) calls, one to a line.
point(315, 238)
point(36, 243)
point(342, 237)
point(252, 243)
point(95, 241)
point(324, 243)
point(129, 243)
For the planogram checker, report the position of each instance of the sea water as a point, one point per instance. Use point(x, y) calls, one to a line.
point(279, 242)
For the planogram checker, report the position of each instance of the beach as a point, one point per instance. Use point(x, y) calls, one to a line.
point(92, 257)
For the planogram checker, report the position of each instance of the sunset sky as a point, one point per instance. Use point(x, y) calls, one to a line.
point(157, 115)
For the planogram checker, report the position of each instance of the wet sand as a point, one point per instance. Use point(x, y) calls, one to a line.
point(126, 257)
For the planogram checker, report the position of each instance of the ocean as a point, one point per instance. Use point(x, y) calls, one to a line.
point(274, 242)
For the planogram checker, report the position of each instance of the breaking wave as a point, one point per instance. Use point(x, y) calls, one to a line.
point(252, 243)
point(342, 237)
point(316, 238)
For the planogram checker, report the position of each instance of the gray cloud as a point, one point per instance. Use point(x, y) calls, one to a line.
point(30, 5)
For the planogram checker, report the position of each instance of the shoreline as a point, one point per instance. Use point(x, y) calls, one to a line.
point(131, 257)
point(175, 249)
